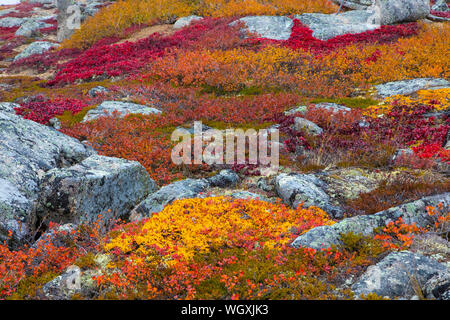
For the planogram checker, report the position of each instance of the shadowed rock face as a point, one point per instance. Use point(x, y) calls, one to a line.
point(27, 151)
point(97, 185)
point(354, 4)
point(413, 212)
point(46, 175)
point(400, 274)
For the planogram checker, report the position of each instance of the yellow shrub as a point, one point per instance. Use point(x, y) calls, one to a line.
point(194, 226)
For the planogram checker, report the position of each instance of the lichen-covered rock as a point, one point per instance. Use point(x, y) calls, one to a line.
point(8, 107)
point(72, 281)
point(395, 11)
point(327, 26)
point(108, 107)
point(295, 189)
point(183, 189)
point(27, 151)
point(36, 47)
point(413, 212)
point(185, 21)
point(248, 195)
point(31, 28)
point(438, 287)
point(97, 185)
point(400, 274)
point(302, 124)
point(334, 107)
point(440, 5)
point(226, 178)
point(97, 90)
point(347, 184)
point(269, 27)
point(10, 22)
point(66, 23)
point(405, 87)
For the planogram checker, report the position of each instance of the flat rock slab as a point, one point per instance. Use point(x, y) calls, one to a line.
point(406, 87)
point(97, 185)
point(327, 26)
point(269, 27)
point(397, 275)
point(107, 108)
point(37, 47)
point(413, 212)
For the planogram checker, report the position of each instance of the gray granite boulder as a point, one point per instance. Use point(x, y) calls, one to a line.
point(399, 275)
point(183, 189)
point(97, 185)
point(334, 107)
point(295, 188)
point(245, 195)
point(440, 5)
point(36, 47)
point(302, 124)
point(269, 27)
point(395, 11)
point(97, 90)
point(406, 87)
point(438, 286)
point(8, 107)
point(107, 108)
point(327, 26)
point(10, 22)
point(413, 212)
point(27, 151)
point(185, 21)
point(31, 28)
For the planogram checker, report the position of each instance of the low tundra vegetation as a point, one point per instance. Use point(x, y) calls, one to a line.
point(233, 249)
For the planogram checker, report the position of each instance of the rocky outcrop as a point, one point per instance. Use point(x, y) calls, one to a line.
point(440, 5)
point(185, 21)
point(46, 175)
point(31, 28)
point(269, 27)
point(406, 87)
point(10, 22)
point(97, 185)
point(309, 127)
point(27, 151)
point(97, 91)
point(295, 189)
point(401, 275)
point(327, 26)
point(8, 107)
point(354, 4)
point(36, 47)
point(395, 11)
point(183, 189)
point(413, 212)
point(107, 108)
